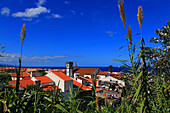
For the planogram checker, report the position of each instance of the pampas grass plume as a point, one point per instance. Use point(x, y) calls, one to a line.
point(129, 34)
point(140, 15)
point(23, 34)
point(121, 10)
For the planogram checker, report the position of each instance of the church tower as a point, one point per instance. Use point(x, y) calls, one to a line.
point(69, 69)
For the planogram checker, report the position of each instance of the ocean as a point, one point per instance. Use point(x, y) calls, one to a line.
point(115, 69)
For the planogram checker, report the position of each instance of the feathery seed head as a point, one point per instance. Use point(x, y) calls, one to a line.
point(121, 10)
point(23, 34)
point(129, 34)
point(140, 15)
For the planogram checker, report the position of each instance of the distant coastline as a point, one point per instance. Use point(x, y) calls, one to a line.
point(115, 69)
point(102, 68)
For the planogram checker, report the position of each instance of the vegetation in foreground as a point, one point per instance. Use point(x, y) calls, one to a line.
point(147, 91)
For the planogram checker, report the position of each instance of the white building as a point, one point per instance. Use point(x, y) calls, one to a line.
point(102, 75)
point(110, 78)
point(62, 79)
point(86, 72)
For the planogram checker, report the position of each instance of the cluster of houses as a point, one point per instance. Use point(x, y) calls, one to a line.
point(71, 77)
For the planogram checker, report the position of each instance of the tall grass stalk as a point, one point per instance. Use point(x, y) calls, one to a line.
point(122, 15)
point(145, 79)
point(23, 34)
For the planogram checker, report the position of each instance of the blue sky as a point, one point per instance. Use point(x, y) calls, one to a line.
point(88, 32)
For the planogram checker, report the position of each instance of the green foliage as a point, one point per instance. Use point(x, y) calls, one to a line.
point(110, 68)
point(4, 78)
point(159, 57)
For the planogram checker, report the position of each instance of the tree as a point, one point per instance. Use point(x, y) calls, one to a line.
point(159, 57)
point(110, 68)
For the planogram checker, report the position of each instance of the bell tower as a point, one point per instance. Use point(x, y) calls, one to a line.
point(69, 69)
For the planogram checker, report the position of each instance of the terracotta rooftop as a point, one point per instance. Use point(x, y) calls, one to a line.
point(79, 85)
point(23, 74)
point(50, 88)
point(90, 80)
point(23, 83)
point(102, 73)
point(62, 75)
point(84, 71)
point(43, 79)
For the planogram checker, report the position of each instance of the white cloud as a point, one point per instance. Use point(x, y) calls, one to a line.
point(111, 33)
point(32, 12)
point(29, 13)
point(27, 19)
point(54, 16)
point(57, 16)
point(5, 11)
point(41, 2)
point(13, 58)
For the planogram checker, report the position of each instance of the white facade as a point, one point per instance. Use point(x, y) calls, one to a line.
point(103, 76)
point(109, 78)
point(15, 78)
point(63, 85)
point(76, 74)
point(88, 76)
point(80, 81)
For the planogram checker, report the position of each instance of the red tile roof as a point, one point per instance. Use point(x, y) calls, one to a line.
point(44, 79)
point(84, 71)
point(23, 83)
point(38, 68)
point(90, 80)
point(102, 73)
point(50, 88)
point(23, 74)
point(79, 85)
point(27, 78)
point(62, 75)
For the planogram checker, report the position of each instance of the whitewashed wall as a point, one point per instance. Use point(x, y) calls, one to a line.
point(87, 76)
point(79, 80)
point(57, 80)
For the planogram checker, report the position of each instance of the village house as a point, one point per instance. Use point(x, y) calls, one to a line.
point(43, 81)
point(23, 83)
point(102, 75)
point(23, 75)
point(86, 72)
point(61, 80)
point(113, 80)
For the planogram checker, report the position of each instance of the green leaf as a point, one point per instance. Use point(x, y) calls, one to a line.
point(61, 108)
point(48, 99)
point(137, 93)
point(10, 105)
